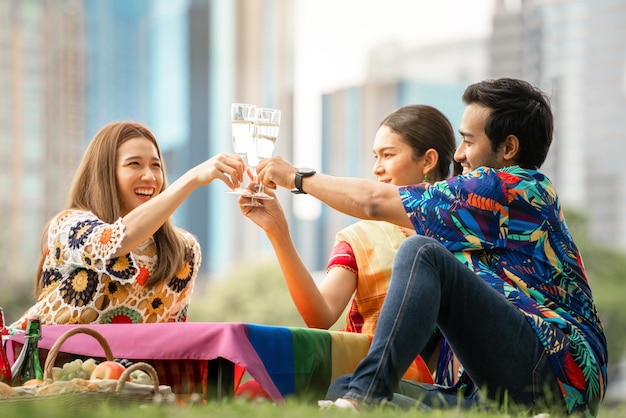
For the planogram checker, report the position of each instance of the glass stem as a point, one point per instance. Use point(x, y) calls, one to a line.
point(256, 179)
point(260, 185)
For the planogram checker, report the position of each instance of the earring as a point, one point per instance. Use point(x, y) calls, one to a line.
point(425, 179)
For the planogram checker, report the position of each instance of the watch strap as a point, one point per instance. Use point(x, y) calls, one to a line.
point(300, 174)
point(298, 182)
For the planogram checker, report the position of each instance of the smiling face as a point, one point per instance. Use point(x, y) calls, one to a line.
point(139, 173)
point(475, 149)
point(394, 159)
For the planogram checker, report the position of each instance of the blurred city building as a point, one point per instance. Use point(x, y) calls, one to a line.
point(576, 51)
point(68, 67)
point(72, 66)
point(42, 121)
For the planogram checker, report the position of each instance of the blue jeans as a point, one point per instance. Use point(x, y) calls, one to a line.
point(493, 341)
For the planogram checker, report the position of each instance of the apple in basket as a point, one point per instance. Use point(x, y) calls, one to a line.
point(33, 382)
point(108, 370)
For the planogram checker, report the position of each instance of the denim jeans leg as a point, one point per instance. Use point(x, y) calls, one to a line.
point(398, 339)
point(430, 287)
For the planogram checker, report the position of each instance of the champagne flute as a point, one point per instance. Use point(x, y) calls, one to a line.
point(267, 123)
point(242, 117)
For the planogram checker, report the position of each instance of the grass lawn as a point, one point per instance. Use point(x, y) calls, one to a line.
point(234, 408)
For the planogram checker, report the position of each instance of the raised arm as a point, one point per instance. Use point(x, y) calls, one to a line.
point(319, 307)
point(360, 198)
point(143, 221)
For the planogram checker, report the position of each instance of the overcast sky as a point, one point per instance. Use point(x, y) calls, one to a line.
point(340, 33)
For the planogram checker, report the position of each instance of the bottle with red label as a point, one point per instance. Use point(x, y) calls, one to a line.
point(5, 366)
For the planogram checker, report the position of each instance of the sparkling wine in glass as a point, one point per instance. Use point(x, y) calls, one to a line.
point(267, 124)
point(242, 117)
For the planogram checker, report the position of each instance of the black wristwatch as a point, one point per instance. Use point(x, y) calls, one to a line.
point(300, 174)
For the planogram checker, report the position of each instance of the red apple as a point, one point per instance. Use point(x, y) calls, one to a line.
point(33, 382)
point(108, 370)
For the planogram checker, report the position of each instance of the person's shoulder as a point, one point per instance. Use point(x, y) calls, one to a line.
point(73, 216)
point(369, 228)
point(189, 239)
point(508, 174)
point(367, 225)
point(359, 224)
point(524, 175)
point(518, 171)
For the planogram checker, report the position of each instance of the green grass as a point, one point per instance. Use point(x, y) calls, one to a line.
point(233, 408)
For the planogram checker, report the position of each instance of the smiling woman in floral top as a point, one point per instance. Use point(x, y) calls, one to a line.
point(113, 255)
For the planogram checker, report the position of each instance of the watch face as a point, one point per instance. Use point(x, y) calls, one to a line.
point(305, 171)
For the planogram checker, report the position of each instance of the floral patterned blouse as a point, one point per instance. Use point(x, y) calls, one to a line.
point(83, 283)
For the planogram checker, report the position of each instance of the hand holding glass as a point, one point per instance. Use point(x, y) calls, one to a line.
point(242, 116)
point(267, 123)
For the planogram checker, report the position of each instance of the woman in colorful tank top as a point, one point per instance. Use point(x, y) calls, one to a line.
point(413, 144)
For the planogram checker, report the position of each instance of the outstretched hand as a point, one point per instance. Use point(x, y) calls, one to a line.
point(276, 171)
point(228, 168)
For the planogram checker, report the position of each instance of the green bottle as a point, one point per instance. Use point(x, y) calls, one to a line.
point(27, 366)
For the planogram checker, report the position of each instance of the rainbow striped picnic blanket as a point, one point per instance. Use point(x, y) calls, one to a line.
point(284, 361)
point(304, 361)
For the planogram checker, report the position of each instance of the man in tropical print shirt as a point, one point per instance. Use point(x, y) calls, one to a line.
point(493, 266)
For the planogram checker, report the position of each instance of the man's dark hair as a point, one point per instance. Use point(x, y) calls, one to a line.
point(517, 108)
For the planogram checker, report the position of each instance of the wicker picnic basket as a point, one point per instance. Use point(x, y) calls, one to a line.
point(81, 394)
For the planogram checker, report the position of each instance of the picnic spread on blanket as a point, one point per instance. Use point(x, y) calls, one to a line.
point(211, 358)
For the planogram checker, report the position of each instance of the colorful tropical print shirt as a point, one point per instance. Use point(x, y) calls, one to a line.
point(508, 227)
point(83, 283)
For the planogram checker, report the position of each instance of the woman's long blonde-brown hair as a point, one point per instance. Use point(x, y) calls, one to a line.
point(94, 188)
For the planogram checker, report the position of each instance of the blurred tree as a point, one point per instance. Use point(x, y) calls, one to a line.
point(253, 292)
point(16, 296)
point(605, 268)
